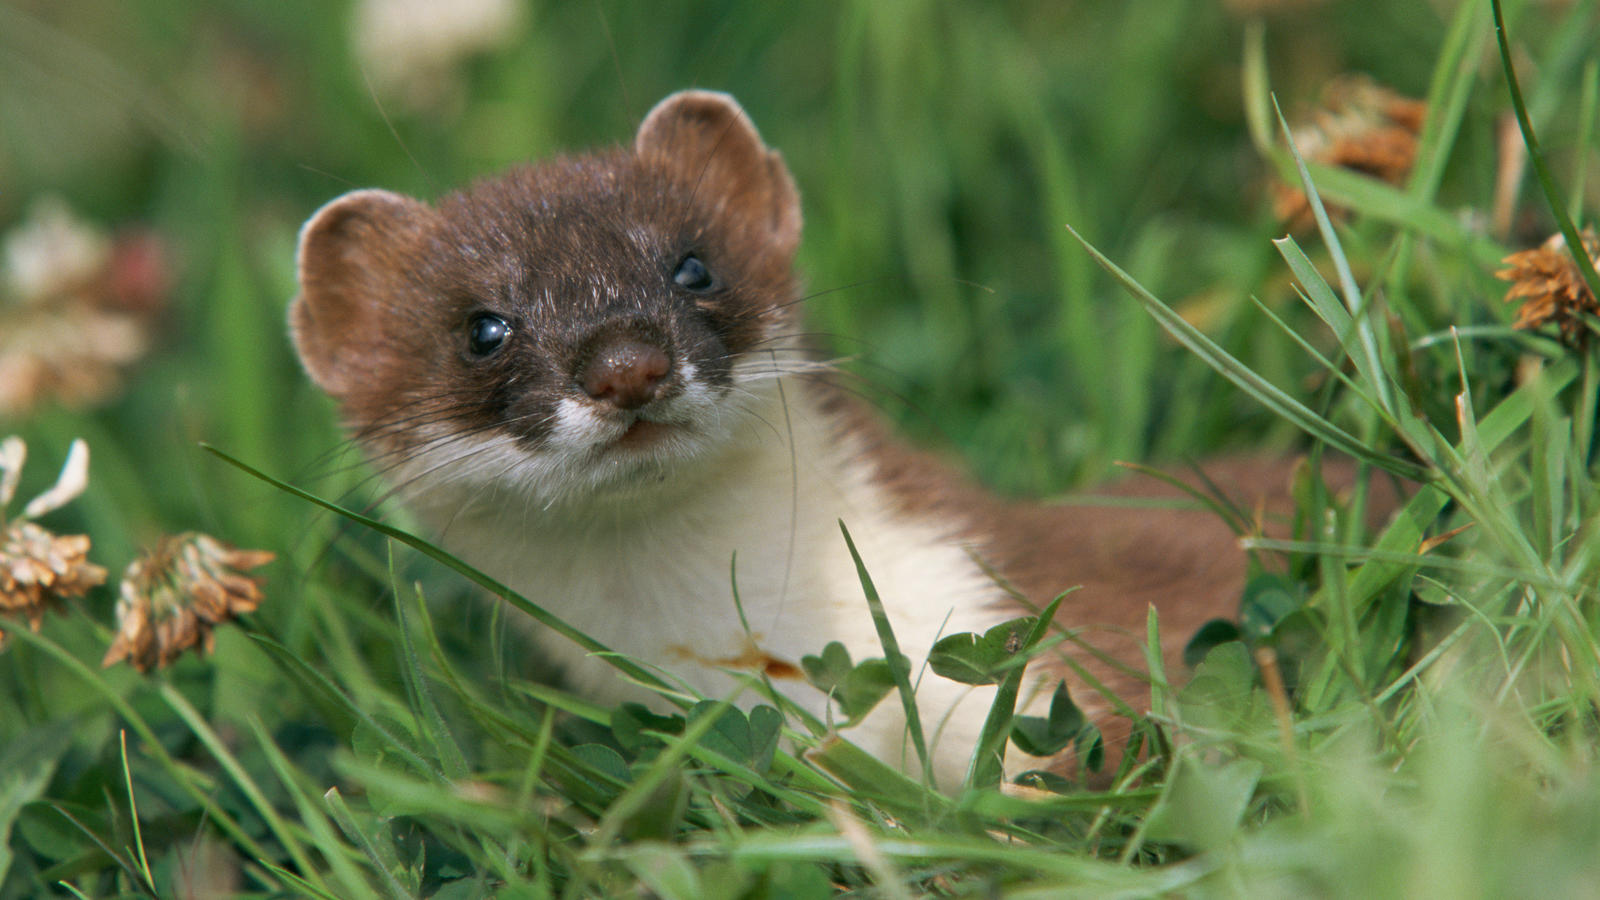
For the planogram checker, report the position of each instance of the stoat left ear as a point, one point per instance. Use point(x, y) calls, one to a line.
point(357, 292)
point(705, 138)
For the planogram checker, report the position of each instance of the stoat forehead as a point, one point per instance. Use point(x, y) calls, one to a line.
point(578, 252)
point(578, 243)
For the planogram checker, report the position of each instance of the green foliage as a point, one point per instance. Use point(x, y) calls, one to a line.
point(856, 687)
point(1063, 726)
point(1428, 725)
point(981, 658)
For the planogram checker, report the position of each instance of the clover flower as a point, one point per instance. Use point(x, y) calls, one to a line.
point(76, 306)
point(1552, 290)
point(39, 568)
point(174, 595)
point(1362, 126)
point(411, 50)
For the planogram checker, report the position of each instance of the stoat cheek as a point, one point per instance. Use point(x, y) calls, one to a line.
point(439, 462)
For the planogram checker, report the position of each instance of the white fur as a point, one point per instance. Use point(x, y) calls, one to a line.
point(634, 549)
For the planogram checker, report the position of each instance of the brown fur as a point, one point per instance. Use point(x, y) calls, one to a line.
point(388, 283)
point(585, 245)
point(1161, 550)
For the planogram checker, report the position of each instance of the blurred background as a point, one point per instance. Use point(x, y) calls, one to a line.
point(939, 149)
point(158, 156)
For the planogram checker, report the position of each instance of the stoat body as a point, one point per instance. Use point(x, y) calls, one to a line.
point(586, 377)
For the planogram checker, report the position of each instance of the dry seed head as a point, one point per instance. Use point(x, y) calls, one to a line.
point(76, 307)
point(39, 568)
point(1552, 290)
point(1362, 126)
point(173, 596)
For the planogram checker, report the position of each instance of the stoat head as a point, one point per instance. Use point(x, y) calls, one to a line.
point(580, 327)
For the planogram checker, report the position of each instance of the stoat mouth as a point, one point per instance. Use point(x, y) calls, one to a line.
point(643, 434)
point(638, 436)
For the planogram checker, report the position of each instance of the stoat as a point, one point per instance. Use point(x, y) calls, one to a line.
point(588, 378)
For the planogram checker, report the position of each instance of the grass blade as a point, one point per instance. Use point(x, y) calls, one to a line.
point(328, 689)
point(151, 742)
point(1368, 361)
point(1587, 105)
point(230, 764)
point(538, 613)
point(351, 884)
point(133, 807)
point(128, 866)
point(430, 721)
point(899, 666)
point(381, 857)
point(875, 781)
point(1541, 167)
point(1256, 89)
point(1451, 84)
point(1265, 392)
point(988, 758)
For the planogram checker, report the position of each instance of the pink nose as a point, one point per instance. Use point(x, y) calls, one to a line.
point(626, 373)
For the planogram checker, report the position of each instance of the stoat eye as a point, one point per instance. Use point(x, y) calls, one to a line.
point(692, 275)
point(485, 333)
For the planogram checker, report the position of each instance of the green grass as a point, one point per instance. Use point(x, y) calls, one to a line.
point(350, 741)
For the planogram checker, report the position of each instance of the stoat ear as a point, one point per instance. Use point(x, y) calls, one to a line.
point(354, 257)
point(706, 138)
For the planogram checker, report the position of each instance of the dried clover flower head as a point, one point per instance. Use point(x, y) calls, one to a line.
point(1547, 281)
point(76, 307)
point(1362, 126)
point(175, 594)
point(38, 568)
point(53, 252)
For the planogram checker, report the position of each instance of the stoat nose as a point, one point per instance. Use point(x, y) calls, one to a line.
point(626, 373)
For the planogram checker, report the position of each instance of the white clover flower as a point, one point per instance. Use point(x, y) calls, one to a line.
point(410, 49)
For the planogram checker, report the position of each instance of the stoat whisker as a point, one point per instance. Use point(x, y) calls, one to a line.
point(785, 305)
point(458, 464)
point(360, 437)
point(486, 485)
point(423, 435)
point(778, 370)
point(748, 412)
point(380, 463)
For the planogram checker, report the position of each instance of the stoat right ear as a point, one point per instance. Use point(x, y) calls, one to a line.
point(354, 258)
point(708, 140)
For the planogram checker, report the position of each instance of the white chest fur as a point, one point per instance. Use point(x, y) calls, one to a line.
point(651, 575)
